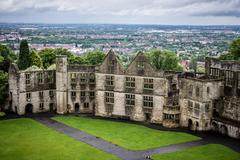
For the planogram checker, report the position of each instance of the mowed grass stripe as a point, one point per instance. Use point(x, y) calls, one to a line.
point(26, 139)
point(129, 136)
point(206, 152)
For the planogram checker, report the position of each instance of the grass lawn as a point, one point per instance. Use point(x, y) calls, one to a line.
point(26, 139)
point(206, 152)
point(129, 136)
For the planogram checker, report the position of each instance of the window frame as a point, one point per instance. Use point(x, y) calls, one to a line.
point(148, 101)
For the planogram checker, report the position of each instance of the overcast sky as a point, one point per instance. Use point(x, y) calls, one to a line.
point(203, 12)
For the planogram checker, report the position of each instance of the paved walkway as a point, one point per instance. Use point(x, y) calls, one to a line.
point(109, 147)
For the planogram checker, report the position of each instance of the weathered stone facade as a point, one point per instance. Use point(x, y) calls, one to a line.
point(138, 92)
point(32, 91)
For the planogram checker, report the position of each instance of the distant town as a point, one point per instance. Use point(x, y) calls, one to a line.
point(185, 41)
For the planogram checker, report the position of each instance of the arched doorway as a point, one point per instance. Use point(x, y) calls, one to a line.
point(94, 108)
point(196, 125)
point(214, 126)
point(190, 124)
point(28, 108)
point(10, 101)
point(77, 107)
point(223, 129)
point(238, 134)
point(147, 117)
point(52, 109)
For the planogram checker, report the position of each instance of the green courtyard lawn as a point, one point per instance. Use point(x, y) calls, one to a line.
point(129, 136)
point(206, 152)
point(26, 139)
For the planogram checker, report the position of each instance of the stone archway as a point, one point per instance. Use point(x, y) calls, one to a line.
point(77, 107)
point(147, 117)
point(28, 108)
point(196, 125)
point(214, 126)
point(238, 134)
point(190, 124)
point(223, 130)
point(52, 108)
point(15, 109)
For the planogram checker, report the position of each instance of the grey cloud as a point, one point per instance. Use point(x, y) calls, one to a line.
point(124, 10)
point(234, 13)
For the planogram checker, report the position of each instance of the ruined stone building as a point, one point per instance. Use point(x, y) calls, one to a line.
point(137, 92)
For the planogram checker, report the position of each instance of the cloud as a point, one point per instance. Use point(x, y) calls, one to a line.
point(127, 9)
point(233, 13)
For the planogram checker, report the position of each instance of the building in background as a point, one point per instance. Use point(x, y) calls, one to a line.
point(139, 92)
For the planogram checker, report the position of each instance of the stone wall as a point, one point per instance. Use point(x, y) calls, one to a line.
point(225, 128)
point(61, 84)
point(13, 81)
point(35, 101)
point(208, 92)
point(172, 95)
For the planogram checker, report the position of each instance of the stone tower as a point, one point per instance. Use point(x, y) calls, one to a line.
point(61, 84)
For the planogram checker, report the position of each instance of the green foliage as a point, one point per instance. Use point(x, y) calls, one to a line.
point(126, 58)
point(200, 69)
point(36, 59)
point(164, 60)
point(48, 57)
point(2, 114)
point(52, 67)
point(90, 58)
point(94, 58)
point(228, 56)
point(1, 59)
point(24, 59)
point(7, 53)
point(6, 56)
point(76, 60)
point(62, 51)
point(235, 49)
point(129, 136)
point(193, 64)
point(3, 86)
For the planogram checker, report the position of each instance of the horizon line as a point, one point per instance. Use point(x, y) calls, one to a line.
point(147, 24)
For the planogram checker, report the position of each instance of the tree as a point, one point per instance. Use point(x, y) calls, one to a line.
point(193, 64)
point(36, 59)
point(77, 60)
point(1, 59)
point(228, 56)
point(3, 86)
point(24, 59)
point(6, 57)
point(62, 51)
point(235, 49)
point(7, 53)
point(48, 57)
point(164, 60)
point(94, 58)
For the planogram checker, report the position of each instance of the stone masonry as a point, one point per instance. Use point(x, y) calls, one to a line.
point(138, 92)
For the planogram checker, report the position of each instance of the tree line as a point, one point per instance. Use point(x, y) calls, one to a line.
point(46, 57)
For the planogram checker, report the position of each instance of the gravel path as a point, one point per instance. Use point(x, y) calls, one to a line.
point(109, 147)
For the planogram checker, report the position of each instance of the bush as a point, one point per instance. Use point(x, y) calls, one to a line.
point(2, 114)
